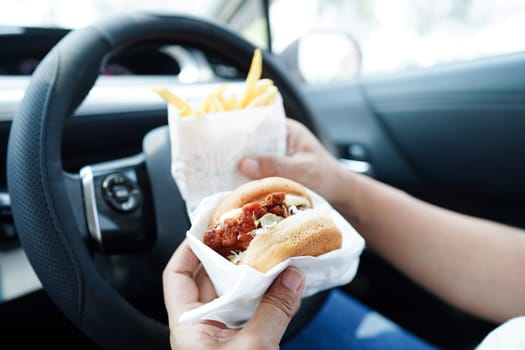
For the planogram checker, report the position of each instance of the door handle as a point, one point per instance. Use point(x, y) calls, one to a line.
point(356, 158)
point(357, 166)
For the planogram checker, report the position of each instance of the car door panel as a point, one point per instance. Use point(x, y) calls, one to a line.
point(453, 135)
point(460, 126)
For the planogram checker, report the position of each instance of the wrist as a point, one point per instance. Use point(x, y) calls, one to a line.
point(346, 194)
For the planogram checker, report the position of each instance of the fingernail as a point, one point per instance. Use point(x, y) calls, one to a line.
point(292, 279)
point(250, 167)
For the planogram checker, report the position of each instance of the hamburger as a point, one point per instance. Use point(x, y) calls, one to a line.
point(266, 221)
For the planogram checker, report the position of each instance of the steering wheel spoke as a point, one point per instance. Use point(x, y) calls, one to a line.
point(118, 206)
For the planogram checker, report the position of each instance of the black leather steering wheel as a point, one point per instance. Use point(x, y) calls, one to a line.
point(47, 201)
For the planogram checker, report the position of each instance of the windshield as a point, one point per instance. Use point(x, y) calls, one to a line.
point(244, 16)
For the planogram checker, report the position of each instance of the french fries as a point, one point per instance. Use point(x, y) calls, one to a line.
point(254, 74)
point(170, 97)
point(257, 93)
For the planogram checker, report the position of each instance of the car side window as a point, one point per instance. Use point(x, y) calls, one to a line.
point(396, 35)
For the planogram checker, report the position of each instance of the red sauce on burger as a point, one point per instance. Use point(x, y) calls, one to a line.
point(234, 235)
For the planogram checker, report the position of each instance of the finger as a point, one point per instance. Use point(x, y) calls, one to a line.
point(300, 139)
point(279, 304)
point(180, 290)
point(206, 290)
point(294, 130)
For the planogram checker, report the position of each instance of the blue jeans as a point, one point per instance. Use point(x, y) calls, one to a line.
point(344, 323)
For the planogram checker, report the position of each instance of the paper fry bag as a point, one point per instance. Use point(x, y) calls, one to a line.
point(206, 150)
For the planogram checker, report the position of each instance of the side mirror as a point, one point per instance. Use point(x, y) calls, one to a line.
point(323, 56)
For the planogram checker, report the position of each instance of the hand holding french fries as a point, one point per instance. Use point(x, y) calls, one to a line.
point(257, 92)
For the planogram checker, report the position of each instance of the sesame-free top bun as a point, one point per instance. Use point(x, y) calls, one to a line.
point(256, 190)
point(307, 233)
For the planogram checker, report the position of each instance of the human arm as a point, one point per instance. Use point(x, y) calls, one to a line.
point(470, 262)
point(187, 286)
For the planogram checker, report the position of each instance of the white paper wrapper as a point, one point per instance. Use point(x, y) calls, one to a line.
point(206, 150)
point(240, 288)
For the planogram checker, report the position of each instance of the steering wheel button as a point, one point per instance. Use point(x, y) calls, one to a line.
point(121, 193)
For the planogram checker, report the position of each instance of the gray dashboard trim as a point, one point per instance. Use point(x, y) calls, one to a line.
point(110, 95)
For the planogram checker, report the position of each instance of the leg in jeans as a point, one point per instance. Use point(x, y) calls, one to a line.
point(345, 323)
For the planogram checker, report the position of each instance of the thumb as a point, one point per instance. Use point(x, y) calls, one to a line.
point(259, 167)
point(277, 307)
point(263, 166)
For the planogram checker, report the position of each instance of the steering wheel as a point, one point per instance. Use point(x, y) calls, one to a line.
point(53, 209)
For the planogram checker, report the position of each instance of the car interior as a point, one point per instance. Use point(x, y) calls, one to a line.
point(78, 118)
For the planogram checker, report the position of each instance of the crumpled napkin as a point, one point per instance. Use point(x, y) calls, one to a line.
point(206, 150)
point(240, 287)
